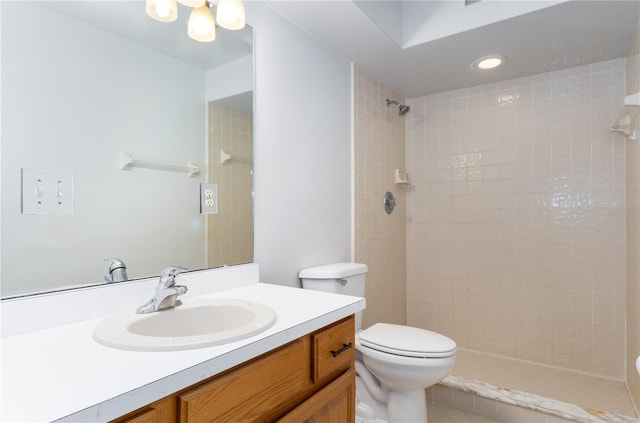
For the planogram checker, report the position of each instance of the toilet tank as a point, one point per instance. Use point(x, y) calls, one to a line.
point(338, 278)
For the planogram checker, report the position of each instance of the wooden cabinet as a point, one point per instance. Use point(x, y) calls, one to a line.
point(332, 404)
point(162, 411)
point(311, 379)
point(333, 350)
point(262, 388)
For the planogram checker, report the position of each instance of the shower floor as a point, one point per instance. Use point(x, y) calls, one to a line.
point(551, 382)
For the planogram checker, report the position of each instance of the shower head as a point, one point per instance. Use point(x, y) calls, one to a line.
point(403, 109)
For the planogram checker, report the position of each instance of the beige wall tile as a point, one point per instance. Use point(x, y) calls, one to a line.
point(531, 416)
point(443, 395)
point(464, 400)
point(486, 407)
point(508, 412)
point(632, 218)
point(380, 238)
point(514, 226)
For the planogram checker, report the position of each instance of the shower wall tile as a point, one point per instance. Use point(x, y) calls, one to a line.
point(380, 238)
point(632, 217)
point(515, 221)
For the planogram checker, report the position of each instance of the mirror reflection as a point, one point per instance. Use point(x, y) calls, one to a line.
point(230, 230)
point(84, 83)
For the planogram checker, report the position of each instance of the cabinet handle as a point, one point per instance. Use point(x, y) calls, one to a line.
point(342, 349)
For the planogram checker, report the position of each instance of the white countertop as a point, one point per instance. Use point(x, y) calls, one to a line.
point(61, 373)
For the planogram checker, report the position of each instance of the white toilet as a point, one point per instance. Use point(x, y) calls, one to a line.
point(395, 363)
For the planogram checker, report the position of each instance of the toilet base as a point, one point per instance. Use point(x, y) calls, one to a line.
point(407, 406)
point(402, 406)
point(368, 409)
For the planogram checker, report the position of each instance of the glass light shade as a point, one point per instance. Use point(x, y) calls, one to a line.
point(230, 14)
point(192, 3)
point(162, 10)
point(201, 26)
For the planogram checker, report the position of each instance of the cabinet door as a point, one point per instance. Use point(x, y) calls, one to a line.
point(335, 403)
point(256, 392)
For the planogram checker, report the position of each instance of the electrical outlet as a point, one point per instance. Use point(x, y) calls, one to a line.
point(47, 192)
point(208, 198)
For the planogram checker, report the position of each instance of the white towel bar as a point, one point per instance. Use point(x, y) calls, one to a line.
point(127, 162)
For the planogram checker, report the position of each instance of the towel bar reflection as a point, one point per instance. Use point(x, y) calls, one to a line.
point(127, 162)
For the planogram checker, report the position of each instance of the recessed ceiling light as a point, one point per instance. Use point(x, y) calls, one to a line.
point(488, 62)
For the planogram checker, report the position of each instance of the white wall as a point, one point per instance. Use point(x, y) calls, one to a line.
point(230, 79)
point(302, 150)
point(49, 124)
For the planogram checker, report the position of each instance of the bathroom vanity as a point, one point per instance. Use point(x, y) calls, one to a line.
point(287, 373)
point(309, 379)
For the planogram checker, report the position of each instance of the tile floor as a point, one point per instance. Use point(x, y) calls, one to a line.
point(440, 413)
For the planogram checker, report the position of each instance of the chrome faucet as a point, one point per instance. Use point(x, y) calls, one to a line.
point(116, 271)
point(167, 292)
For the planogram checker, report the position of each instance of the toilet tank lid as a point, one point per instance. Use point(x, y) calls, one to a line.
point(333, 271)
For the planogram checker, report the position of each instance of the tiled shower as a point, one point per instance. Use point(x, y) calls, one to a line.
point(517, 222)
point(517, 218)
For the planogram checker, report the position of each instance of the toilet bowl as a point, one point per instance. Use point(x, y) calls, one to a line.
point(394, 363)
point(404, 360)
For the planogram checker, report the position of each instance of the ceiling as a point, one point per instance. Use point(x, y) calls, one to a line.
point(380, 35)
point(128, 19)
point(557, 36)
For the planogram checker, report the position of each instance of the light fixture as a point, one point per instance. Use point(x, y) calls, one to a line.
point(162, 10)
point(230, 14)
point(201, 26)
point(488, 62)
point(192, 3)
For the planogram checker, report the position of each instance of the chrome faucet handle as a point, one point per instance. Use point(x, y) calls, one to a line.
point(167, 292)
point(168, 276)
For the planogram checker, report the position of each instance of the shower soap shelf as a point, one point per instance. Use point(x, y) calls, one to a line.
point(401, 177)
point(127, 162)
point(225, 157)
point(632, 100)
point(623, 125)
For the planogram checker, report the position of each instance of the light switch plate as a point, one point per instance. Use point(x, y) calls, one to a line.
point(208, 198)
point(47, 192)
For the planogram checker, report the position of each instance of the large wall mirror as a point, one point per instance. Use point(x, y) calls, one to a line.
point(86, 84)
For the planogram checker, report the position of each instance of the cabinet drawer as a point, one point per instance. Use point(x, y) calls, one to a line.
point(162, 411)
point(257, 392)
point(333, 349)
point(148, 416)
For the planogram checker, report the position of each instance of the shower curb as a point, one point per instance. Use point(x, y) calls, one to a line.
point(513, 405)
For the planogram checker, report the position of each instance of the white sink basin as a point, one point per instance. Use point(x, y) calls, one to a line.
point(197, 323)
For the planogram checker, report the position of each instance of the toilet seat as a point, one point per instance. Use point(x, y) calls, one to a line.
point(407, 341)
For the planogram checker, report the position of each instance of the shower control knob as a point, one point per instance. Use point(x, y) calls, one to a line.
point(389, 202)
